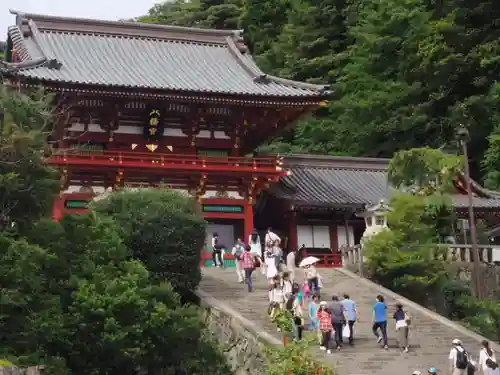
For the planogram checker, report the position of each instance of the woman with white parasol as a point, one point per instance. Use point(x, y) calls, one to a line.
point(311, 274)
point(272, 243)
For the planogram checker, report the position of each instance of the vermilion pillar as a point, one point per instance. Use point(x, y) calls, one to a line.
point(334, 241)
point(58, 208)
point(248, 221)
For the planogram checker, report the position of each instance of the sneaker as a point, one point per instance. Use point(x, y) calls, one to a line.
point(386, 347)
point(329, 351)
point(406, 350)
point(379, 339)
point(322, 348)
point(338, 348)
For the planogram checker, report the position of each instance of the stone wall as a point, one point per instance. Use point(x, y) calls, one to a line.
point(34, 370)
point(241, 341)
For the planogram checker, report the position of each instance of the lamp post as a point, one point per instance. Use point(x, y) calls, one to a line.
point(463, 138)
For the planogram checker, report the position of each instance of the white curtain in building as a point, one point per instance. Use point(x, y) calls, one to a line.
point(342, 235)
point(313, 236)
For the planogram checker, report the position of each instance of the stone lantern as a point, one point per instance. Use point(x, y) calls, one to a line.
point(375, 219)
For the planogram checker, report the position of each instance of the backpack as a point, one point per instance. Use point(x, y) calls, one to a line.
point(462, 359)
point(289, 303)
point(295, 287)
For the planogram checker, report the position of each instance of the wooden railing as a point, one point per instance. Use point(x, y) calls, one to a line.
point(186, 162)
point(450, 253)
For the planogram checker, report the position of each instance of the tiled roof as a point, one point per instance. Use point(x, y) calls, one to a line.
point(331, 181)
point(143, 56)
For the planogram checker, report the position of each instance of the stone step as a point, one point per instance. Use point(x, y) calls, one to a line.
point(430, 339)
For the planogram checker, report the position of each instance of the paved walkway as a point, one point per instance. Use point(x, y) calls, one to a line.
point(430, 339)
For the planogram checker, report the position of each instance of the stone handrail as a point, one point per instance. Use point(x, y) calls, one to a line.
point(453, 253)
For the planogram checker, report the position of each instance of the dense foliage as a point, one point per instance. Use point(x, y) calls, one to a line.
point(163, 230)
point(408, 259)
point(295, 358)
point(406, 73)
point(74, 295)
point(27, 184)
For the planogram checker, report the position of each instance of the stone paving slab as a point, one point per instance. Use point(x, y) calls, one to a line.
point(429, 339)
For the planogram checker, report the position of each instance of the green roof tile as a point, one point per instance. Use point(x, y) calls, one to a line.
point(134, 55)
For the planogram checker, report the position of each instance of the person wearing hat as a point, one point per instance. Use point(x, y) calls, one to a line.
point(432, 371)
point(459, 358)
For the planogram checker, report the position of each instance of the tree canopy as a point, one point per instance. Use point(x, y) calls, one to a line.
point(94, 293)
point(405, 73)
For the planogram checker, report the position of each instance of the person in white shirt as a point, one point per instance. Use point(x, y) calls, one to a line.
point(217, 251)
point(290, 264)
point(458, 356)
point(237, 251)
point(286, 284)
point(272, 243)
point(256, 249)
point(311, 275)
point(298, 318)
point(276, 293)
point(271, 270)
point(487, 360)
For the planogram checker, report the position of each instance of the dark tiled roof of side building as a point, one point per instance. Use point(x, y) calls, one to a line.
point(338, 181)
point(142, 56)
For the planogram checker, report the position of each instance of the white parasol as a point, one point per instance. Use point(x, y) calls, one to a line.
point(308, 261)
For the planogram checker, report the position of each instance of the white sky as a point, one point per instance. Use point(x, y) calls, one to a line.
point(98, 9)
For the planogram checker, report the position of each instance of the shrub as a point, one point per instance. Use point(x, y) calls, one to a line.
point(163, 229)
point(295, 359)
point(103, 314)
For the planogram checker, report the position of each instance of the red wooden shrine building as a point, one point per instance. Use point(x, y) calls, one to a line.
point(150, 105)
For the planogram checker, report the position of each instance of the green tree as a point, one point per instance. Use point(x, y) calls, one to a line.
point(105, 315)
point(198, 13)
point(22, 286)
point(424, 170)
point(163, 229)
point(404, 257)
point(263, 22)
point(27, 184)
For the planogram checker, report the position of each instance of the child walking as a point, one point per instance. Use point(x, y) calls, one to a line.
point(325, 326)
point(313, 316)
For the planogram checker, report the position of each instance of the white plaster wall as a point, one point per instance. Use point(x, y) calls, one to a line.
point(208, 194)
point(128, 129)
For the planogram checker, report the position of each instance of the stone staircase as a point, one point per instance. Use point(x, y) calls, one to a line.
point(430, 337)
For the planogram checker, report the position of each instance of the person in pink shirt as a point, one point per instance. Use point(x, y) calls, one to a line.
point(248, 265)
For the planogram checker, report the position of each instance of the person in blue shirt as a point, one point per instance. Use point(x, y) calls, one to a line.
point(380, 320)
point(349, 307)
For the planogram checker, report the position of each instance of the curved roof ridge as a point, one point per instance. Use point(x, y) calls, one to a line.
point(337, 162)
point(262, 77)
point(46, 50)
point(132, 28)
point(246, 61)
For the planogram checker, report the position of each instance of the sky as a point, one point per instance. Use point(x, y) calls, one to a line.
point(99, 9)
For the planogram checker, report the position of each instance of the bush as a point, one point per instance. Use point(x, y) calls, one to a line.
point(103, 314)
point(295, 358)
point(163, 229)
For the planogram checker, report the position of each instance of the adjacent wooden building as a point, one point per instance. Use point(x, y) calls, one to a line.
point(316, 203)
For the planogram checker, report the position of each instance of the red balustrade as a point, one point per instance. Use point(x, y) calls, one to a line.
point(180, 162)
point(327, 260)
